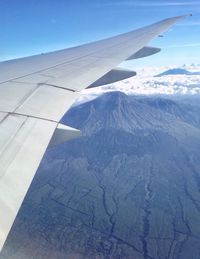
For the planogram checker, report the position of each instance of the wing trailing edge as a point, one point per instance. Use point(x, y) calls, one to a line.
point(23, 141)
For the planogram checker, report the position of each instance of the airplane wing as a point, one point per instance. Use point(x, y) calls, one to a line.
point(36, 91)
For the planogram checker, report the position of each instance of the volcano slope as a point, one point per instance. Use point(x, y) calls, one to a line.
point(128, 188)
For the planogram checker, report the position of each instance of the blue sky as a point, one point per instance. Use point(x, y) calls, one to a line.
point(35, 26)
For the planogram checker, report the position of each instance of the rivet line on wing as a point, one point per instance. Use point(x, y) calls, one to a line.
point(60, 87)
point(28, 116)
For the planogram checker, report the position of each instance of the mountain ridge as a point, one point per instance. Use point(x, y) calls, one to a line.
point(177, 71)
point(116, 192)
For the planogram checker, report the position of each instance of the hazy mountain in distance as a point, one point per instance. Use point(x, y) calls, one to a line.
point(177, 71)
point(128, 188)
point(147, 84)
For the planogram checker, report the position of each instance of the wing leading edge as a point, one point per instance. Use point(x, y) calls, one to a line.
point(36, 92)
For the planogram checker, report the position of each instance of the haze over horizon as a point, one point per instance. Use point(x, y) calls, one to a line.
point(35, 27)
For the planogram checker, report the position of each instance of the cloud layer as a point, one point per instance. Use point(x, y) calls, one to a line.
point(146, 84)
point(152, 3)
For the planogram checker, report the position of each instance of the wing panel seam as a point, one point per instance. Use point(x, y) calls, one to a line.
point(59, 87)
point(72, 60)
point(29, 116)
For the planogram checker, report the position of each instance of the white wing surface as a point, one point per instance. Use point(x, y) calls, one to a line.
point(36, 91)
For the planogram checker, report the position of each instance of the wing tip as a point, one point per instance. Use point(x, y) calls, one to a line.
point(176, 18)
point(183, 16)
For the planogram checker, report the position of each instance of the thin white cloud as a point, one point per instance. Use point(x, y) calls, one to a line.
point(183, 45)
point(189, 24)
point(53, 20)
point(152, 4)
point(146, 84)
